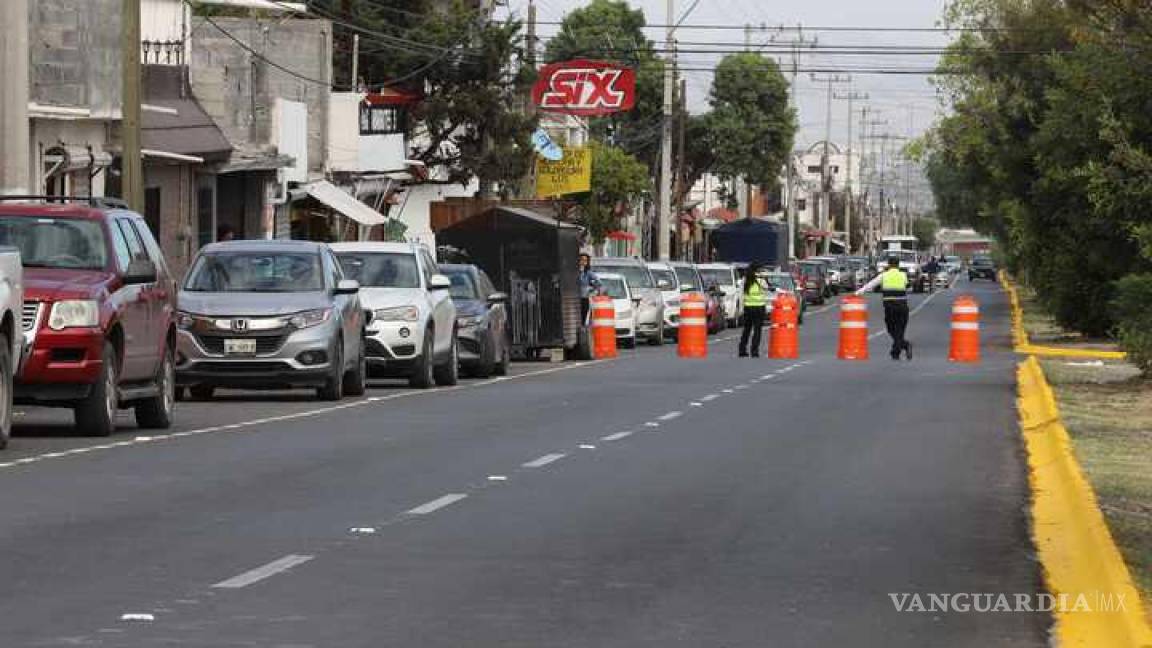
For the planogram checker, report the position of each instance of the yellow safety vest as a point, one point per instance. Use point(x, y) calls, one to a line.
point(894, 284)
point(756, 295)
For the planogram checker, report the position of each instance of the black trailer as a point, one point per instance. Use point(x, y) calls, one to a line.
point(750, 240)
point(533, 258)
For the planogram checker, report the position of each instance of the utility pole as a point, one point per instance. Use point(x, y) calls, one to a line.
point(131, 164)
point(528, 184)
point(680, 179)
point(665, 211)
point(875, 223)
point(825, 169)
point(15, 153)
point(796, 42)
point(355, 62)
point(851, 97)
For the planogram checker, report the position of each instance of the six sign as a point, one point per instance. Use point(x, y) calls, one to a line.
point(583, 87)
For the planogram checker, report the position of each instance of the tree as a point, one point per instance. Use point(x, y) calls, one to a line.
point(611, 30)
point(470, 71)
point(618, 180)
point(925, 229)
point(751, 127)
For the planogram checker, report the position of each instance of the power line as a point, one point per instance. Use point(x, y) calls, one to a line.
point(853, 29)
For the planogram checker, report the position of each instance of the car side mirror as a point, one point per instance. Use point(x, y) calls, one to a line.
point(347, 287)
point(498, 298)
point(439, 282)
point(140, 271)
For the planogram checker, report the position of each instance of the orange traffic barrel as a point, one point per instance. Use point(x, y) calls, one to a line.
point(693, 331)
point(965, 330)
point(603, 327)
point(784, 343)
point(853, 328)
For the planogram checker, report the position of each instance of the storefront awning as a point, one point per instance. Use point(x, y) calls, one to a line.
point(343, 202)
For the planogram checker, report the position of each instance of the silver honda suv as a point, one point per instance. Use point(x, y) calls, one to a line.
point(270, 314)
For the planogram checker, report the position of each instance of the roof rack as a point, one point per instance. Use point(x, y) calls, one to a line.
point(98, 202)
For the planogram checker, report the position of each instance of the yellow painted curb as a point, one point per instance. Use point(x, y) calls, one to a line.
point(1096, 602)
point(1020, 336)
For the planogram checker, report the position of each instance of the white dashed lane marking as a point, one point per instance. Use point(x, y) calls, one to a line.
point(264, 571)
point(710, 397)
point(437, 504)
point(545, 460)
point(616, 437)
point(670, 416)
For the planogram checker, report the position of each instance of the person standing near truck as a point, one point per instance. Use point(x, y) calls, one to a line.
point(589, 284)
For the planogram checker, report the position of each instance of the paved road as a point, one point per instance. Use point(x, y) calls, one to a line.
point(648, 501)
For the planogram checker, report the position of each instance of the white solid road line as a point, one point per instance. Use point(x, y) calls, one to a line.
point(544, 461)
point(616, 437)
point(670, 416)
point(262, 572)
point(437, 504)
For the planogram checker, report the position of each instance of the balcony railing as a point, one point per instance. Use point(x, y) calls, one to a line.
point(162, 52)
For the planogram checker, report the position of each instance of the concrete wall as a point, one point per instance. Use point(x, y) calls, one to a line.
point(75, 54)
point(350, 151)
point(239, 90)
point(177, 235)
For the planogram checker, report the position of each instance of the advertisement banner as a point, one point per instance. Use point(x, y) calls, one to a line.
point(568, 175)
point(583, 87)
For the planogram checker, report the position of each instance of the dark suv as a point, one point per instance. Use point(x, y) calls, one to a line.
point(98, 313)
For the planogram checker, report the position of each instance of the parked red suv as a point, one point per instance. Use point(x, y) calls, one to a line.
point(98, 318)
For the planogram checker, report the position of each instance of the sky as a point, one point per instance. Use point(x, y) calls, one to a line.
point(907, 102)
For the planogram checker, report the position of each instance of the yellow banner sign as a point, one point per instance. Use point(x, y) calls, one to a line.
point(568, 175)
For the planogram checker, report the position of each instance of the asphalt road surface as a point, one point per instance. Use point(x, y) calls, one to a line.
point(647, 501)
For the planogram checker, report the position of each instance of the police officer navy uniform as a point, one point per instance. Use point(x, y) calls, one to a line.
point(893, 284)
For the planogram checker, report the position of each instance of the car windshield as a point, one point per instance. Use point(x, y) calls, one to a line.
point(981, 262)
point(381, 269)
point(257, 272)
point(718, 276)
point(636, 276)
point(685, 277)
point(667, 277)
point(809, 269)
point(62, 243)
point(613, 287)
point(463, 284)
point(782, 281)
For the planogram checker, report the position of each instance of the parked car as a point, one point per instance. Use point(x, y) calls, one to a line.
point(815, 281)
point(11, 335)
point(785, 282)
point(412, 332)
point(717, 314)
point(647, 297)
point(270, 314)
point(481, 321)
point(723, 276)
point(982, 268)
point(691, 281)
point(833, 273)
point(616, 287)
point(669, 286)
point(98, 313)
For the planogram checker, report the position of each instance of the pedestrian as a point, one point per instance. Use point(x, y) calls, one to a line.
point(893, 283)
point(589, 284)
point(755, 306)
point(932, 268)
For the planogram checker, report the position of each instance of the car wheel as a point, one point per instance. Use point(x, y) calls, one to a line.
point(156, 412)
point(356, 379)
point(5, 393)
point(421, 377)
point(628, 342)
point(487, 361)
point(96, 414)
point(501, 367)
point(202, 392)
point(658, 339)
point(333, 389)
point(448, 373)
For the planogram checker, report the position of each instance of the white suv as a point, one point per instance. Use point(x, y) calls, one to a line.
point(412, 328)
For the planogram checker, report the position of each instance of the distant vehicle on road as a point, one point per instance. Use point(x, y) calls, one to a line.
point(669, 285)
point(98, 313)
point(412, 332)
point(815, 278)
point(647, 297)
point(616, 287)
point(270, 314)
point(723, 276)
point(481, 321)
point(954, 264)
point(982, 268)
point(11, 336)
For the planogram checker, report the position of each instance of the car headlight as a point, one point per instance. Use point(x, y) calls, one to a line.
point(397, 314)
point(73, 313)
point(310, 318)
point(185, 320)
point(469, 321)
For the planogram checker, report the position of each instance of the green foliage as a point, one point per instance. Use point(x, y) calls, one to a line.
point(618, 180)
point(925, 229)
point(1045, 146)
point(1132, 309)
point(751, 126)
point(472, 74)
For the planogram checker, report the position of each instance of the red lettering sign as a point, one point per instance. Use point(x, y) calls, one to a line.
point(585, 88)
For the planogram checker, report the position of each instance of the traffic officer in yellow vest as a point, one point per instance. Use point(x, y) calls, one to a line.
point(893, 283)
point(756, 294)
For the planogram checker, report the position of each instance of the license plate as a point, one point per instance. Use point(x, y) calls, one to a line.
point(240, 347)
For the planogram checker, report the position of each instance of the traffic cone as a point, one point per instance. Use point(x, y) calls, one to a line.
point(693, 331)
point(603, 327)
point(784, 343)
point(965, 330)
point(853, 329)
